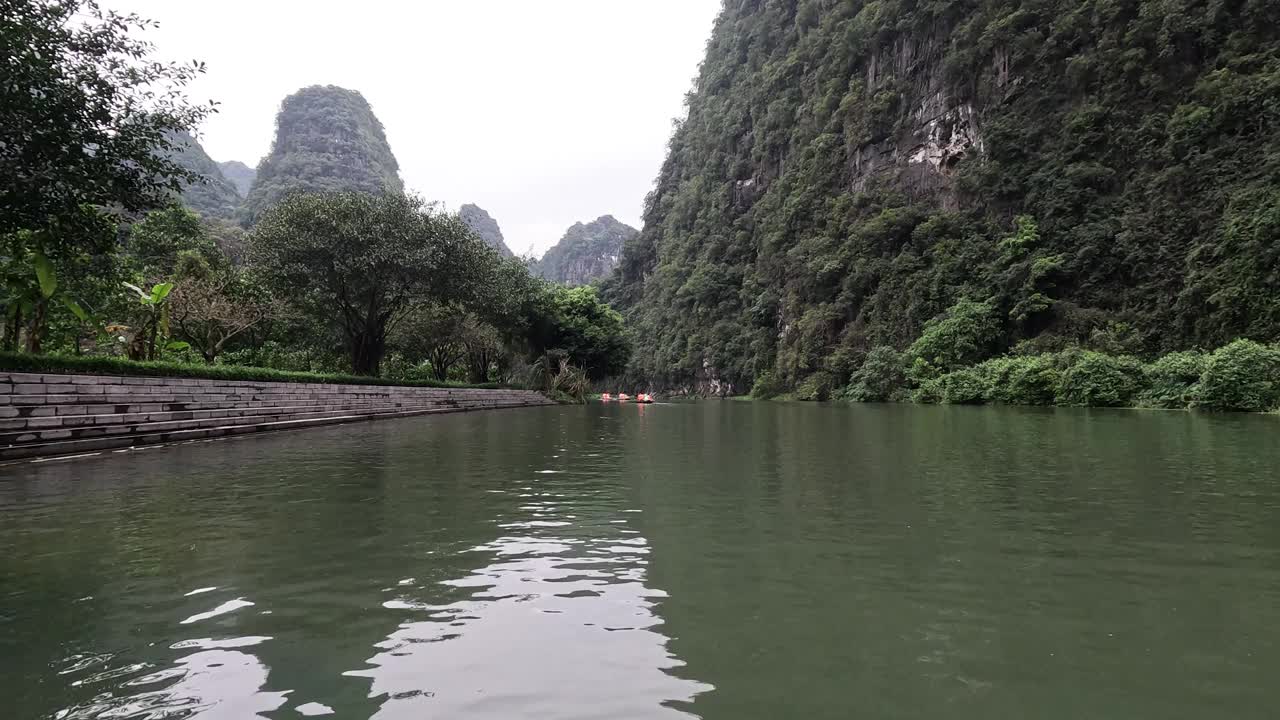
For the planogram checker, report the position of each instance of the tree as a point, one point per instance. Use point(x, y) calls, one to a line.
point(432, 333)
point(483, 345)
point(86, 119)
point(150, 333)
point(965, 334)
point(85, 114)
point(360, 262)
point(156, 243)
point(587, 331)
point(208, 312)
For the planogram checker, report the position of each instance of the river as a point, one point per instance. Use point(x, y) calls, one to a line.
point(718, 560)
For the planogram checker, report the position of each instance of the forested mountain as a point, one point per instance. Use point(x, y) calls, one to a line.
point(482, 224)
point(586, 252)
point(240, 175)
point(215, 197)
point(1100, 173)
point(327, 139)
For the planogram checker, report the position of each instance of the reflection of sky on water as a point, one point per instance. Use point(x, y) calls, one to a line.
point(218, 682)
point(556, 626)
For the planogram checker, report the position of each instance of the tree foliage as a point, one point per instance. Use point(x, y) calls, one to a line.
point(362, 261)
point(87, 126)
point(86, 118)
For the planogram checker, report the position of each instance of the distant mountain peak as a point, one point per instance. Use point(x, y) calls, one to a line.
point(483, 225)
point(327, 140)
point(240, 175)
point(587, 252)
point(215, 196)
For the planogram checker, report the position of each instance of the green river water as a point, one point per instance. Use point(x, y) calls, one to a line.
point(721, 560)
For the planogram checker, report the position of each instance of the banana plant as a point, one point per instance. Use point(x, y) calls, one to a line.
point(27, 304)
point(155, 322)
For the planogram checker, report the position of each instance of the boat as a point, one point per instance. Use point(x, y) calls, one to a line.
point(623, 397)
point(606, 397)
point(644, 398)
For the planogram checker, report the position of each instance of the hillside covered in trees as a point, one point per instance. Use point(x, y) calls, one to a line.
point(587, 252)
point(1029, 176)
point(212, 194)
point(327, 140)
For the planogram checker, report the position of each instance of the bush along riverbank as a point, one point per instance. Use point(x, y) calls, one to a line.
point(1243, 376)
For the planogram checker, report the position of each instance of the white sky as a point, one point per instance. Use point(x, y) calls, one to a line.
point(543, 112)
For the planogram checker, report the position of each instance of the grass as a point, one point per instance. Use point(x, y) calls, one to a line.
point(21, 362)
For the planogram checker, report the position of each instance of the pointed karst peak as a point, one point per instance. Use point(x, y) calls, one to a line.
point(327, 140)
point(587, 252)
point(484, 226)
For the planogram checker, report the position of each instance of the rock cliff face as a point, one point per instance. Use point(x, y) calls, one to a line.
point(483, 225)
point(240, 175)
point(587, 252)
point(327, 140)
point(1100, 172)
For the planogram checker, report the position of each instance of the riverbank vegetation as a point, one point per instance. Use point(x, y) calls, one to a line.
point(953, 363)
point(106, 270)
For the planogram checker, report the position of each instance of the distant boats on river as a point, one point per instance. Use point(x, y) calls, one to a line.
point(642, 398)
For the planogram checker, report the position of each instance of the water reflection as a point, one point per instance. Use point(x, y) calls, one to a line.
point(214, 683)
point(561, 611)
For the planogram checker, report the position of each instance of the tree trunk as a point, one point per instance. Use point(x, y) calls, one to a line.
point(35, 329)
point(367, 349)
point(151, 340)
point(478, 362)
point(12, 342)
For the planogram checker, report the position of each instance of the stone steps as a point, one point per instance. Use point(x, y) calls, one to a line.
point(104, 415)
point(85, 426)
point(78, 447)
point(46, 415)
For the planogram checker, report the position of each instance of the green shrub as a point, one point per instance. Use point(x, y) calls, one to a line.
point(1244, 375)
point(1097, 380)
point(766, 386)
point(965, 334)
point(1173, 380)
point(817, 386)
point(1021, 380)
point(966, 386)
point(98, 365)
point(930, 392)
point(881, 378)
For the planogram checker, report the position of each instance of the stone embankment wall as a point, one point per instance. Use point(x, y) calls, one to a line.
point(47, 415)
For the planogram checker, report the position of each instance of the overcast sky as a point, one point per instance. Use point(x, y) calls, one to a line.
point(543, 112)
